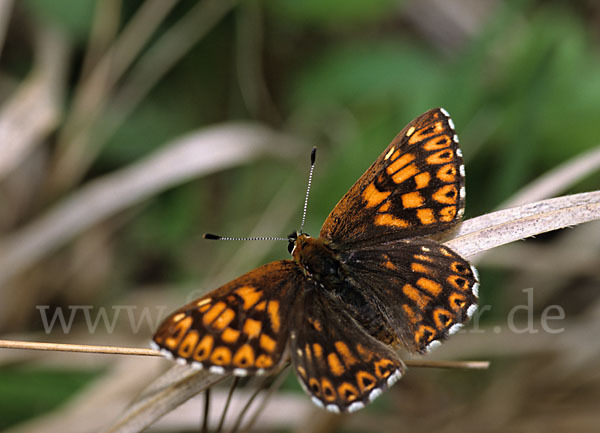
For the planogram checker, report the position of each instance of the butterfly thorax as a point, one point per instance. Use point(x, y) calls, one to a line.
point(322, 264)
point(318, 261)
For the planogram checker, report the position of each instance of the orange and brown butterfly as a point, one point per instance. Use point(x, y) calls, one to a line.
point(371, 283)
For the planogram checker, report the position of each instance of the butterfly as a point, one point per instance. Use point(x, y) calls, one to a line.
point(373, 282)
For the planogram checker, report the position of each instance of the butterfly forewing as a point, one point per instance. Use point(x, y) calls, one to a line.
point(415, 188)
point(427, 290)
point(241, 327)
point(339, 365)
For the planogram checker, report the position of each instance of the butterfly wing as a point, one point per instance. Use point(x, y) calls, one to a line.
point(339, 365)
point(426, 290)
point(415, 188)
point(241, 327)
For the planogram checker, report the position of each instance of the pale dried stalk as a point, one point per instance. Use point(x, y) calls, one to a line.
point(197, 154)
point(34, 109)
point(508, 225)
point(91, 94)
point(140, 351)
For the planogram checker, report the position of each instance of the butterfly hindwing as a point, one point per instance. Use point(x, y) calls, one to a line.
point(241, 327)
point(415, 188)
point(339, 365)
point(427, 290)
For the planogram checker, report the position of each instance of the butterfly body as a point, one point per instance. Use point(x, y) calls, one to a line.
point(371, 283)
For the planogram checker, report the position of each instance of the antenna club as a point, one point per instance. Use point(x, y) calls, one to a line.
point(211, 236)
point(313, 155)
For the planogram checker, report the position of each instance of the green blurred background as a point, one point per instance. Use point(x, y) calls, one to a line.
point(104, 87)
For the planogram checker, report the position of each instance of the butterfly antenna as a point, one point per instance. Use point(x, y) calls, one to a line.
point(313, 156)
point(212, 237)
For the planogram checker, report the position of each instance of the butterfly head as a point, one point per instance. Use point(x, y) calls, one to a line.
point(294, 239)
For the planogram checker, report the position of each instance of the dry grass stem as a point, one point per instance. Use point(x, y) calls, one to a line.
point(34, 109)
point(196, 154)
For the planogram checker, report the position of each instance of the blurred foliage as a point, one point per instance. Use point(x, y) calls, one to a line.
point(522, 84)
point(29, 392)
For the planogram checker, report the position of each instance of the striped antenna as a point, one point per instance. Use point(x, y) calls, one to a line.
point(313, 156)
point(210, 236)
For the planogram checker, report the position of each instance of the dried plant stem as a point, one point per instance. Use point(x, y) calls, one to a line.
point(115, 350)
point(81, 348)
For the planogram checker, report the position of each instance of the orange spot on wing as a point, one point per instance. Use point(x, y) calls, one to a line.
point(399, 163)
point(458, 282)
point(429, 286)
point(204, 348)
point(424, 332)
point(328, 390)
point(252, 328)
point(442, 318)
point(459, 268)
point(427, 132)
point(221, 356)
point(187, 346)
point(345, 353)
point(315, 386)
point(316, 324)
point(426, 216)
point(423, 258)
point(442, 157)
point(180, 329)
point(264, 361)
point(448, 213)
point(373, 197)
point(301, 371)
point(382, 368)
point(335, 365)
point(366, 381)
point(365, 353)
point(422, 179)
point(267, 343)
point(412, 200)
point(308, 353)
point(347, 392)
point(318, 350)
point(213, 313)
point(438, 143)
point(244, 357)
point(416, 296)
point(458, 301)
point(388, 264)
point(405, 173)
point(384, 207)
point(446, 194)
point(261, 306)
point(250, 295)
point(418, 267)
point(273, 310)
point(230, 335)
point(387, 219)
point(447, 173)
point(224, 319)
